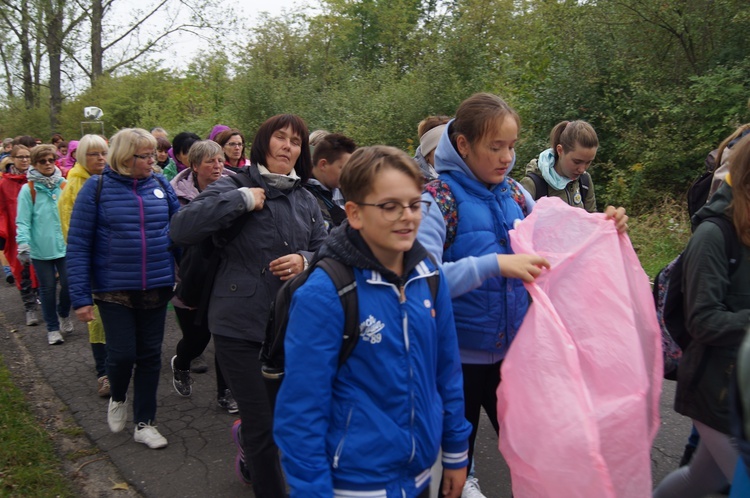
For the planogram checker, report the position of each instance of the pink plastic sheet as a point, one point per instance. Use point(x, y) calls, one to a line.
point(578, 404)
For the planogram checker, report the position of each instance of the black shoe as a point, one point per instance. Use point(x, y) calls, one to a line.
point(198, 365)
point(10, 278)
point(181, 380)
point(227, 402)
point(687, 455)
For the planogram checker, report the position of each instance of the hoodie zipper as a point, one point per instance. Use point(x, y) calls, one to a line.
point(401, 290)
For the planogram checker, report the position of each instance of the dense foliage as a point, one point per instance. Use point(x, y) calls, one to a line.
point(662, 81)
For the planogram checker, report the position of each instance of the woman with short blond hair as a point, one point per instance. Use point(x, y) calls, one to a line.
point(119, 257)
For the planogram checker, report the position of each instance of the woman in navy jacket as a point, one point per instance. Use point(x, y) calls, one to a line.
point(118, 253)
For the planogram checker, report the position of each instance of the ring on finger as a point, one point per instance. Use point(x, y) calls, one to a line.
point(289, 270)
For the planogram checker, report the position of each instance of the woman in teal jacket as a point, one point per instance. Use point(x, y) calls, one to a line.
point(40, 239)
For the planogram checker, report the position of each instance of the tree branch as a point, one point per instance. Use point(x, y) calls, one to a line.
point(134, 27)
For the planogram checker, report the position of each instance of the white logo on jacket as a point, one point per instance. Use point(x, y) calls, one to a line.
point(370, 330)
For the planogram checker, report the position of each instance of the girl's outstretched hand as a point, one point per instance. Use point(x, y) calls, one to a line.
point(524, 266)
point(618, 214)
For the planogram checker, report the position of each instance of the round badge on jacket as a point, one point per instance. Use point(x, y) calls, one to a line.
point(158, 193)
point(577, 198)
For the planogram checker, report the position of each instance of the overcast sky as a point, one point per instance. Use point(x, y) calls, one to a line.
point(184, 47)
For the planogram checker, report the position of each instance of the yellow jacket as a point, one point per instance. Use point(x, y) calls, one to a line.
point(77, 176)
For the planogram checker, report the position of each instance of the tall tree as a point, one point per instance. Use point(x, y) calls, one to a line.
point(17, 17)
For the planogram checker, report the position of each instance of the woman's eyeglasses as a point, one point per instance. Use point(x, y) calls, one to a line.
point(235, 144)
point(46, 161)
point(145, 157)
point(22, 158)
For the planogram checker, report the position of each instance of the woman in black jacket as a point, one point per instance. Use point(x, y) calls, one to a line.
point(281, 228)
point(717, 313)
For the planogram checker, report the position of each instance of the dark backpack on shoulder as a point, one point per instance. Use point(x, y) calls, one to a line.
point(697, 194)
point(272, 352)
point(541, 189)
point(669, 298)
point(200, 262)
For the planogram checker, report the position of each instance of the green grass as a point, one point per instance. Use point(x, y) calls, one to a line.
point(29, 466)
point(658, 237)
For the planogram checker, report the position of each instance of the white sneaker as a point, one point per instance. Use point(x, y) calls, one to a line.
point(117, 415)
point(471, 488)
point(31, 318)
point(66, 324)
point(148, 435)
point(54, 337)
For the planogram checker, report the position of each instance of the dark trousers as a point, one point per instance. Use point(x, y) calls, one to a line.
point(480, 391)
point(194, 341)
point(100, 358)
point(46, 271)
point(134, 338)
point(26, 286)
point(239, 361)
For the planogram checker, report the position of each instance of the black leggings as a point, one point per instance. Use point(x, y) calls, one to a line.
point(193, 343)
point(480, 390)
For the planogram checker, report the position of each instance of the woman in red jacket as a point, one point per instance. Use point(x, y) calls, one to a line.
point(10, 185)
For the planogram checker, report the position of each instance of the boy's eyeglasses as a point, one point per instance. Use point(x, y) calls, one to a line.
point(46, 161)
point(392, 210)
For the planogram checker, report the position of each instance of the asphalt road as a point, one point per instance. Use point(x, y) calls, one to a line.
point(200, 457)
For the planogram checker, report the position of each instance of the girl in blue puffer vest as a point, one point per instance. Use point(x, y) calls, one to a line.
point(473, 159)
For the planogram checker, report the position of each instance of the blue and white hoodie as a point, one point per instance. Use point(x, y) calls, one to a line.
point(373, 427)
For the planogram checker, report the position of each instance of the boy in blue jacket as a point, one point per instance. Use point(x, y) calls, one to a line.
point(373, 427)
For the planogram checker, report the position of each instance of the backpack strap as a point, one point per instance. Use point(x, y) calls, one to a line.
point(540, 185)
point(99, 188)
point(732, 246)
point(224, 237)
point(346, 287)
point(433, 281)
point(517, 194)
point(441, 192)
point(584, 183)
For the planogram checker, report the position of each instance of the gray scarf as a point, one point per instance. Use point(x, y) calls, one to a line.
point(50, 182)
point(281, 182)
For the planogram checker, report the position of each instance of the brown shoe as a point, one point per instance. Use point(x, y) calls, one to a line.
point(103, 386)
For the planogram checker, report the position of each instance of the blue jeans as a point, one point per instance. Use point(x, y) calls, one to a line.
point(46, 270)
point(134, 338)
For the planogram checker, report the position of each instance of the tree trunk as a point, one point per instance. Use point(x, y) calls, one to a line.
point(97, 12)
point(28, 84)
point(53, 42)
point(8, 73)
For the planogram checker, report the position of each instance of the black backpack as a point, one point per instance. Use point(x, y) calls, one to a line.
point(669, 298)
point(541, 189)
point(199, 263)
point(272, 352)
point(697, 194)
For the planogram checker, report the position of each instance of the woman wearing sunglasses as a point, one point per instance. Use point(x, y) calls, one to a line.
point(40, 239)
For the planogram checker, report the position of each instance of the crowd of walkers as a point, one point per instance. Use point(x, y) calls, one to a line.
point(99, 227)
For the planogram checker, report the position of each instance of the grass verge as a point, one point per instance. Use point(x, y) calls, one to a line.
point(659, 236)
point(29, 466)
